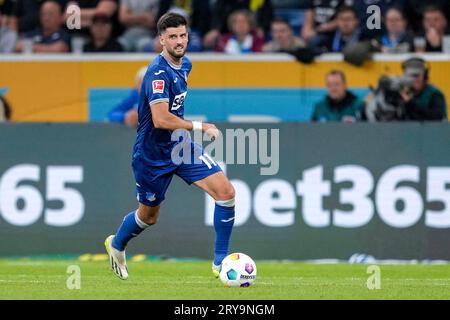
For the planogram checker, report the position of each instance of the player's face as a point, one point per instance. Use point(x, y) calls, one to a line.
point(174, 41)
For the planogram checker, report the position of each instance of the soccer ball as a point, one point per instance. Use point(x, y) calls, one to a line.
point(238, 270)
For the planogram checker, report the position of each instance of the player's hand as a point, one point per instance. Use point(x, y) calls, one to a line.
point(211, 130)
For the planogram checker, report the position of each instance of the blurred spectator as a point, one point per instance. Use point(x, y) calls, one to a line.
point(364, 15)
point(347, 33)
point(126, 111)
point(50, 37)
point(5, 110)
point(139, 18)
point(101, 35)
point(339, 104)
point(8, 36)
point(26, 14)
point(435, 25)
point(243, 38)
point(425, 101)
point(416, 8)
point(283, 38)
point(89, 8)
point(320, 20)
point(222, 9)
point(197, 11)
point(396, 39)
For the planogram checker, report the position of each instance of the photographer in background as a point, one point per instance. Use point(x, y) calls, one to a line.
point(424, 102)
point(406, 98)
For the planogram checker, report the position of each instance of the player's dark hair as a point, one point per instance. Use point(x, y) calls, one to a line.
point(337, 73)
point(170, 20)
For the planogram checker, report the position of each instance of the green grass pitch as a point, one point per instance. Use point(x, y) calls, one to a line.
point(192, 280)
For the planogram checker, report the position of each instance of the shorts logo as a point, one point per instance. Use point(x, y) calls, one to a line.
point(158, 86)
point(150, 196)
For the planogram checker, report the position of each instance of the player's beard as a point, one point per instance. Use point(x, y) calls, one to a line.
point(176, 55)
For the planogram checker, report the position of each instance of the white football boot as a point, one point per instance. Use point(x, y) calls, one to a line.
point(117, 259)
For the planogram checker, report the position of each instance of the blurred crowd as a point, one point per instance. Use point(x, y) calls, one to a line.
point(305, 28)
point(229, 26)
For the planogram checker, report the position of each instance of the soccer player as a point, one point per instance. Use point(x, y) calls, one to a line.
point(161, 110)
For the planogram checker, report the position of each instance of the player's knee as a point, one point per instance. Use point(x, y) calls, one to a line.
point(226, 193)
point(149, 215)
point(151, 220)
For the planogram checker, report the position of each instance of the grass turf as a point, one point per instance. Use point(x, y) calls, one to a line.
point(192, 280)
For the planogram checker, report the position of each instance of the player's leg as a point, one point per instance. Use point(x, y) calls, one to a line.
point(134, 223)
point(219, 187)
point(205, 173)
point(151, 186)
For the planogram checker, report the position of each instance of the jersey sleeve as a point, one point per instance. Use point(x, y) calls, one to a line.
point(157, 88)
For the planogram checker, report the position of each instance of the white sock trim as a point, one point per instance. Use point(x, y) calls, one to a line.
point(139, 222)
point(226, 203)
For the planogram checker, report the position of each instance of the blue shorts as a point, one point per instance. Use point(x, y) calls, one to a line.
point(152, 181)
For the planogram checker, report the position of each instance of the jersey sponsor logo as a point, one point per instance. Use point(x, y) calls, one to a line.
point(178, 101)
point(175, 81)
point(158, 86)
point(159, 72)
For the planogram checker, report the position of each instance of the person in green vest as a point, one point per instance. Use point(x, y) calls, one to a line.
point(340, 104)
point(424, 102)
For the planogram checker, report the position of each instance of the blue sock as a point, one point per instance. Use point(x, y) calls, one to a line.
point(130, 228)
point(223, 225)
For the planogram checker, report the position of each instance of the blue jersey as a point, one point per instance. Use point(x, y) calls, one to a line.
point(163, 82)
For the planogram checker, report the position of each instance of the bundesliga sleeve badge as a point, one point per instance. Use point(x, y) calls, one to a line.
point(158, 86)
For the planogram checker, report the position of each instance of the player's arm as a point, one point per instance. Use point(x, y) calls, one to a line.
point(163, 119)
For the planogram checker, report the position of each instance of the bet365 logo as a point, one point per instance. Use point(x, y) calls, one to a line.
point(178, 101)
point(23, 203)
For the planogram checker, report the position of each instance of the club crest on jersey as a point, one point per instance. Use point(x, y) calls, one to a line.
point(158, 86)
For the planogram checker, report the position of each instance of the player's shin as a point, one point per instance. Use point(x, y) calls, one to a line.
point(131, 227)
point(223, 225)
